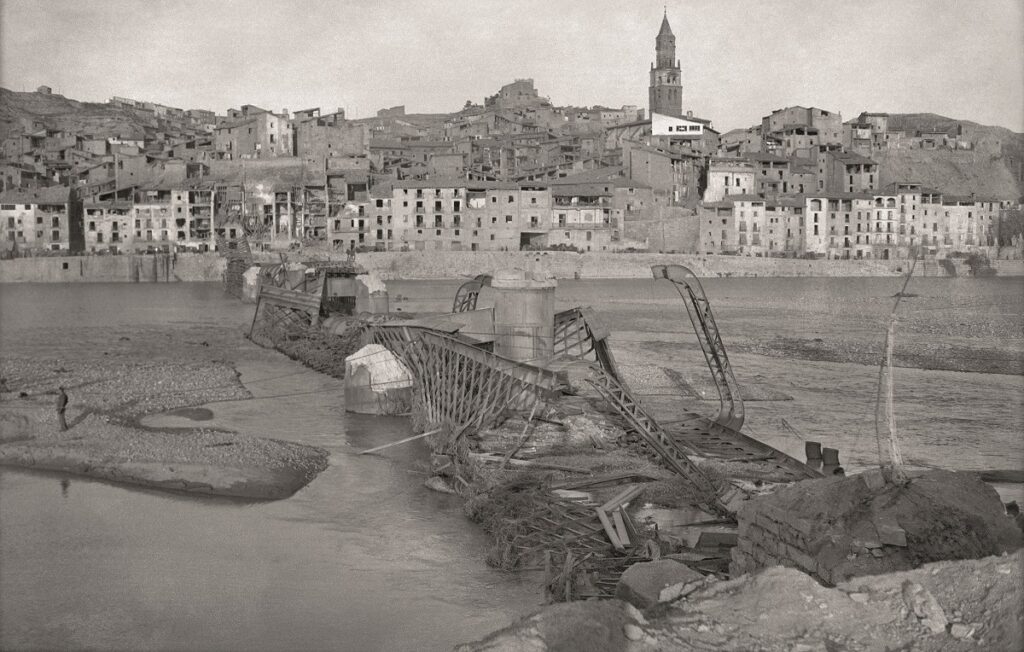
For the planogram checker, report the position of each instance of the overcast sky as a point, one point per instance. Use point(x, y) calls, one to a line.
point(741, 59)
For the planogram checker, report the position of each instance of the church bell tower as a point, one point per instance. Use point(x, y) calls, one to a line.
point(666, 90)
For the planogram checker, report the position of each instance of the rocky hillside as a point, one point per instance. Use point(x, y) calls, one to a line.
point(982, 171)
point(17, 110)
point(956, 172)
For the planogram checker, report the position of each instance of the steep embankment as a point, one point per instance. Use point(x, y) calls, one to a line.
point(992, 169)
point(59, 112)
point(955, 172)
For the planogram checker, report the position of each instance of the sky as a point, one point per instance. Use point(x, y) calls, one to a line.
point(740, 60)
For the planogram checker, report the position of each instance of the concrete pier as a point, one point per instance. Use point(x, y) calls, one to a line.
point(524, 315)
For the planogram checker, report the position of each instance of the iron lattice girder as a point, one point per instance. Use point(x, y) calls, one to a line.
point(659, 440)
point(730, 413)
point(578, 333)
point(459, 385)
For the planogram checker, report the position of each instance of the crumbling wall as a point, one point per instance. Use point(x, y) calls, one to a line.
point(843, 527)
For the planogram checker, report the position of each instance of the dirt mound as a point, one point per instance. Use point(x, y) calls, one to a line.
point(837, 528)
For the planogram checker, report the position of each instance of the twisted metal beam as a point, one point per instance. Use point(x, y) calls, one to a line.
point(730, 412)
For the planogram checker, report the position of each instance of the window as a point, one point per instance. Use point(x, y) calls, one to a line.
point(508, 219)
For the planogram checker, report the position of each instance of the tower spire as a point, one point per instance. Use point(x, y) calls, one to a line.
point(666, 29)
point(666, 87)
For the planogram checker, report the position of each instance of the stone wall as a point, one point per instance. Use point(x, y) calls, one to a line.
point(464, 264)
point(455, 264)
point(159, 268)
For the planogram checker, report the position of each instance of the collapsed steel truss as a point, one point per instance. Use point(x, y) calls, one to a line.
point(459, 385)
point(468, 292)
point(281, 312)
point(659, 441)
point(579, 335)
point(730, 413)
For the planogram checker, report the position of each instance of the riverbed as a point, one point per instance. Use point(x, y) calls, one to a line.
point(366, 558)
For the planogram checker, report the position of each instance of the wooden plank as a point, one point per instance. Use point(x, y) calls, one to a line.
point(620, 527)
point(610, 530)
point(400, 441)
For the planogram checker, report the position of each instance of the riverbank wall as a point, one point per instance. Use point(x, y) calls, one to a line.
point(158, 268)
point(435, 265)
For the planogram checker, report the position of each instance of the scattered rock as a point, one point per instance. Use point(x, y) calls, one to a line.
point(924, 605)
point(960, 630)
point(632, 632)
point(635, 614)
point(437, 483)
point(860, 597)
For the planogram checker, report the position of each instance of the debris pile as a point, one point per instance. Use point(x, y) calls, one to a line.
point(842, 527)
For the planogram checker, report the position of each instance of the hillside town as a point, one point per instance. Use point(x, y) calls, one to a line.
point(512, 173)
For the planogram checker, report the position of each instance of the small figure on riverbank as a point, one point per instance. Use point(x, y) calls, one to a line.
point(62, 406)
point(1013, 511)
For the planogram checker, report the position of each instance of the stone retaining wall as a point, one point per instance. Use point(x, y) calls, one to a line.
point(152, 268)
point(464, 264)
point(769, 536)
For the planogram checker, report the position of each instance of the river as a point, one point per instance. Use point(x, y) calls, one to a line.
point(365, 558)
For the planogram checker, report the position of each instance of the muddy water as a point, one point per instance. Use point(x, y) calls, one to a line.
point(364, 558)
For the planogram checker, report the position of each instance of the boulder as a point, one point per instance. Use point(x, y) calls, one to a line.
point(649, 583)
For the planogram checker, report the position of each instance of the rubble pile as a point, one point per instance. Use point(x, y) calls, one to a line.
point(842, 527)
point(956, 606)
